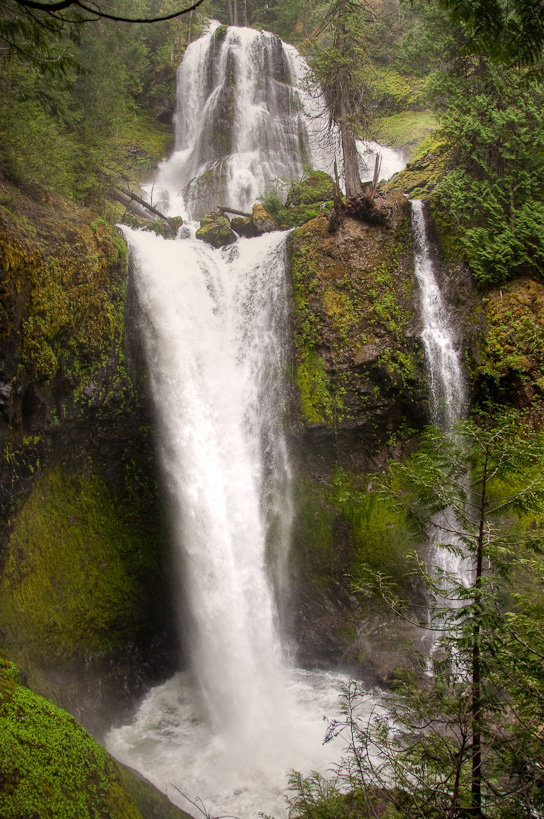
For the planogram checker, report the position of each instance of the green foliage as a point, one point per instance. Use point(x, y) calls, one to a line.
point(494, 125)
point(511, 32)
point(467, 740)
point(512, 355)
point(79, 572)
point(78, 130)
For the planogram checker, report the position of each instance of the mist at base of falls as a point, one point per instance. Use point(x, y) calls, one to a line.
point(170, 742)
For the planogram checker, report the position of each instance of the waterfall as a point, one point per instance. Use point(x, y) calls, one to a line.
point(448, 390)
point(215, 329)
point(239, 122)
point(247, 114)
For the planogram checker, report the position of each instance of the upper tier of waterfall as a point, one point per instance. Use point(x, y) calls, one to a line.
point(239, 122)
point(247, 113)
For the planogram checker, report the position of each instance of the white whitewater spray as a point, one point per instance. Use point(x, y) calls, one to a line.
point(215, 330)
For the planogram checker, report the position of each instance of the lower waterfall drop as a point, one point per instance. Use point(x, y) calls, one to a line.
point(214, 325)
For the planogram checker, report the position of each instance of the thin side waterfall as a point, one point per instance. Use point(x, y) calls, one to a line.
point(448, 389)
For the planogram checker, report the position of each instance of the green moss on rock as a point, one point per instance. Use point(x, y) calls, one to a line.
point(353, 310)
point(216, 235)
point(374, 531)
point(51, 768)
point(79, 574)
point(511, 357)
point(424, 172)
point(316, 186)
point(63, 286)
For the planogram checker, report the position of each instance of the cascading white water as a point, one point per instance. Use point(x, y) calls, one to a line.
point(215, 331)
point(247, 113)
point(215, 328)
point(448, 388)
point(239, 123)
point(448, 391)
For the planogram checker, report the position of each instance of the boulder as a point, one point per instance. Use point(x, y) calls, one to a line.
point(262, 220)
point(216, 235)
point(215, 230)
point(244, 226)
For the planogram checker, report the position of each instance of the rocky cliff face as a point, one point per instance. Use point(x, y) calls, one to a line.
point(362, 398)
point(81, 542)
point(359, 363)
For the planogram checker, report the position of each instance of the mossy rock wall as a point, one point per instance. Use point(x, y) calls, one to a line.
point(361, 389)
point(82, 549)
point(360, 371)
point(343, 527)
point(509, 364)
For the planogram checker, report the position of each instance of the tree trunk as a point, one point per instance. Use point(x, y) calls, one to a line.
point(352, 178)
point(246, 18)
point(476, 704)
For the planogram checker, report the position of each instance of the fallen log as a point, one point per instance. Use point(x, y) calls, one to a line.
point(233, 210)
point(145, 205)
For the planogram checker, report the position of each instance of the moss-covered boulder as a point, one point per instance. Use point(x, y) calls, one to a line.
point(244, 226)
point(316, 186)
point(424, 172)
point(264, 223)
point(51, 768)
point(215, 230)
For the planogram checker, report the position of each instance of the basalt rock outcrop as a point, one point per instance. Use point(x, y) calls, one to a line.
point(361, 399)
point(82, 546)
point(360, 367)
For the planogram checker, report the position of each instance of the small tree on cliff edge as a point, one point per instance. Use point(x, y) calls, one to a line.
point(468, 742)
point(342, 69)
